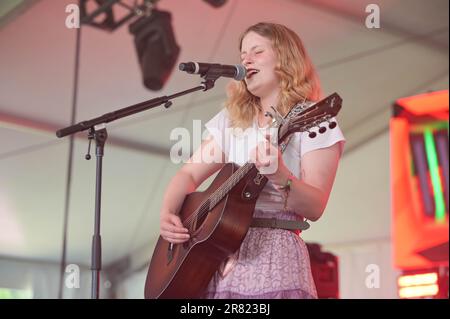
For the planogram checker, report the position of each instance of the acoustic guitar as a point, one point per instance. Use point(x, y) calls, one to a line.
point(219, 217)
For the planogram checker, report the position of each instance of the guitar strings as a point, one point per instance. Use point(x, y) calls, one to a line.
point(217, 196)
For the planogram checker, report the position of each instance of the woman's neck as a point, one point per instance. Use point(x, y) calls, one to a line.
point(268, 101)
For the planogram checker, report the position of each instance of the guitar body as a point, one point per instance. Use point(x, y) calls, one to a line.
point(184, 270)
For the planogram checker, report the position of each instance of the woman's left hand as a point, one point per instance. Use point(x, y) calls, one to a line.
point(269, 162)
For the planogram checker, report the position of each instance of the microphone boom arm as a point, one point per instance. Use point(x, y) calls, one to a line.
point(133, 109)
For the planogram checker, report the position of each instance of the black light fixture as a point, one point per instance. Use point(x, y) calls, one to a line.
point(156, 47)
point(154, 37)
point(216, 3)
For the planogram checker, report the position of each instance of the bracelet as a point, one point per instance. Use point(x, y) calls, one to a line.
point(287, 189)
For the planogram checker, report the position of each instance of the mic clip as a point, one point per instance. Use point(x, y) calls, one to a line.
point(209, 80)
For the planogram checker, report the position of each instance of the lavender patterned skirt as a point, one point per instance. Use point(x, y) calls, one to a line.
point(270, 264)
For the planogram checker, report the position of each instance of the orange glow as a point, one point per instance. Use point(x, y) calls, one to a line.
point(434, 102)
point(419, 291)
point(420, 279)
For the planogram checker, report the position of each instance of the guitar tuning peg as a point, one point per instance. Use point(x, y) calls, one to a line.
point(332, 125)
point(322, 129)
point(312, 134)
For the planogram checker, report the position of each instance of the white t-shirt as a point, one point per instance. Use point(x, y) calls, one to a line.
point(237, 144)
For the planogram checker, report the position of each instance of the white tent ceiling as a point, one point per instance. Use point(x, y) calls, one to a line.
point(369, 68)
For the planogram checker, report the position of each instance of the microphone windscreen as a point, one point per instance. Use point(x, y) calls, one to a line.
point(241, 72)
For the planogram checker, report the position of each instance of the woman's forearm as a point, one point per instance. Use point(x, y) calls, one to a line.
point(179, 186)
point(306, 200)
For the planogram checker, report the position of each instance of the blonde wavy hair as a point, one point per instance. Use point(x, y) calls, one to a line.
point(298, 79)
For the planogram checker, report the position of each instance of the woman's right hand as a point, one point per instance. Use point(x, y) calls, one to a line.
point(172, 229)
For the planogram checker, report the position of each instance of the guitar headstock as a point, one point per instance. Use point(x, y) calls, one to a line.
point(303, 119)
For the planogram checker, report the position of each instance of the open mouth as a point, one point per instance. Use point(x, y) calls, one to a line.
point(251, 73)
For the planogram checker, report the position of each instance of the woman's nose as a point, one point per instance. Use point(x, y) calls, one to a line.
point(247, 62)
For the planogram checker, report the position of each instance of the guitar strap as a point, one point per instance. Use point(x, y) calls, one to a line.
point(284, 144)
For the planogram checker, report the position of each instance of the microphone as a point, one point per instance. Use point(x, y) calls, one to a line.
point(237, 72)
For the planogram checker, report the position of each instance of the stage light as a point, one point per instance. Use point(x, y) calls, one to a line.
point(419, 279)
point(430, 284)
point(154, 40)
point(419, 291)
point(156, 47)
point(216, 3)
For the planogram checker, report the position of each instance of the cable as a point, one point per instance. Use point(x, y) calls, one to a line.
point(69, 165)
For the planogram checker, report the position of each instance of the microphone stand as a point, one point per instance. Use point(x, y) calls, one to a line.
point(97, 132)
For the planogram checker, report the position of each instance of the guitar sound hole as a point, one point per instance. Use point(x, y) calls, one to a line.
point(198, 223)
